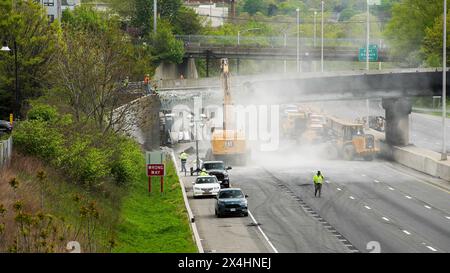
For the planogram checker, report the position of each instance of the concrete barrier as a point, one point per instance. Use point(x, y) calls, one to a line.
point(419, 159)
point(5, 152)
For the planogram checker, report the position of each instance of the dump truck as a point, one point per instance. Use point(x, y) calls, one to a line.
point(347, 140)
point(227, 144)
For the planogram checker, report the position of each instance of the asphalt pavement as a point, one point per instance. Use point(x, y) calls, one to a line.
point(367, 203)
point(425, 130)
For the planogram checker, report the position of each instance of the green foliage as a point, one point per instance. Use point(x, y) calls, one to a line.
point(87, 157)
point(43, 112)
point(407, 29)
point(36, 137)
point(165, 47)
point(432, 43)
point(254, 6)
point(36, 39)
point(85, 18)
point(127, 162)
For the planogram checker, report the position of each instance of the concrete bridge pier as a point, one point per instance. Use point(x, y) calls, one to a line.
point(171, 71)
point(397, 120)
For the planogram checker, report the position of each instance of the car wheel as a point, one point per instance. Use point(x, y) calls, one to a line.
point(245, 214)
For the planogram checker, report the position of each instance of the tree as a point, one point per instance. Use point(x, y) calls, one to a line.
point(254, 6)
point(432, 43)
point(164, 45)
point(26, 23)
point(406, 30)
point(91, 64)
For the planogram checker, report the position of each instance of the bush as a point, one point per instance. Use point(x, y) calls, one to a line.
point(43, 112)
point(36, 137)
point(127, 162)
point(87, 157)
point(84, 163)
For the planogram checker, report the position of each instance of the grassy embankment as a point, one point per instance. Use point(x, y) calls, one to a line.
point(155, 222)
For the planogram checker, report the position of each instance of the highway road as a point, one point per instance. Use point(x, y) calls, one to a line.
point(425, 130)
point(362, 202)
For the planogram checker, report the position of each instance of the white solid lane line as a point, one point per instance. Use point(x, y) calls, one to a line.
point(367, 207)
point(385, 219)
point(262, 232)
point(431, 248)
point(406, 232)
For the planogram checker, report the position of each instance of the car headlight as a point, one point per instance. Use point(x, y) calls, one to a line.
point(196, 188)
point(244, 203)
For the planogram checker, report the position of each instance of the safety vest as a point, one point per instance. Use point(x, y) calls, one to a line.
point(318, 179)
point(184, 156)
point(202, 173)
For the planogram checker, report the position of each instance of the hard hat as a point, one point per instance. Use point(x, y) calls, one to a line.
point(203, 170)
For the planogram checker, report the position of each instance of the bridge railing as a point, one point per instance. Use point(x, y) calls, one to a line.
point(268, 41)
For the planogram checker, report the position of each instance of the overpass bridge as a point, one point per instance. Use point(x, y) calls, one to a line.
point(269, 48)
point(394, 87)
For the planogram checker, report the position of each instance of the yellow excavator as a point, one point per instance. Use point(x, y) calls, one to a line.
point(227, 144)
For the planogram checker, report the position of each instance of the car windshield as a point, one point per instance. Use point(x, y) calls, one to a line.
point(214, 166)
point(231, 194)
point(206, 180)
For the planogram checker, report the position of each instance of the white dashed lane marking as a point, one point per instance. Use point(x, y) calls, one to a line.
point(367, 207)
point(406, 232)
point(351, 197)
point(385, 219)
point(407, 196)
point(428, 207)
point(339, 189)
point(376, 181)
point(431, 248)
point(448, 217)
point(391, 188)
point(363, 175)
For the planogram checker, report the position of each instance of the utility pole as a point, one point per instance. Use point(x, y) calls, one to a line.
point(444, 85)
point(321, 54)
point(155, 12)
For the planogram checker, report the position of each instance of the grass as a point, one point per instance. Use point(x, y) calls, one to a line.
point(59, 201)
point(155, 222)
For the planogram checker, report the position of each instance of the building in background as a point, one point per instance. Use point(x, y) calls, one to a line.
point(212, 13)
point(56, 7)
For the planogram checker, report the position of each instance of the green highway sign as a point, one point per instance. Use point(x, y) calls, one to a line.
point(373, 53)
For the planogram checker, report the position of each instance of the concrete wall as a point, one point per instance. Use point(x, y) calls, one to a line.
point(419, 159)
point(171, 71)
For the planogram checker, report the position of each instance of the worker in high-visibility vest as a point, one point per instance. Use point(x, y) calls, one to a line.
point(183, 156)
point(203, 172)
point(318, 181)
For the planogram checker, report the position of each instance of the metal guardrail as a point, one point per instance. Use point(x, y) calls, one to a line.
point(5, 151)
point(270, 41)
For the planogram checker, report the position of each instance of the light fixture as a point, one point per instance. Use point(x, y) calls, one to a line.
point(5, 47)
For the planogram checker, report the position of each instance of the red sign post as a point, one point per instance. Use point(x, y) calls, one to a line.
point(155, 170)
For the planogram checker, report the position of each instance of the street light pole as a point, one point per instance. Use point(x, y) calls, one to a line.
point(367, 58)
point(367, 36)
point(285, 44)
point(315, 27)
point(16, 107)
point(321, 53)
point(444, 85)
point(298, 39)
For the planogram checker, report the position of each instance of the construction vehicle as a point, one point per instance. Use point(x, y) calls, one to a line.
point(227, 144)
point(293, 124)
point(314, 132)
point(348, 140)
